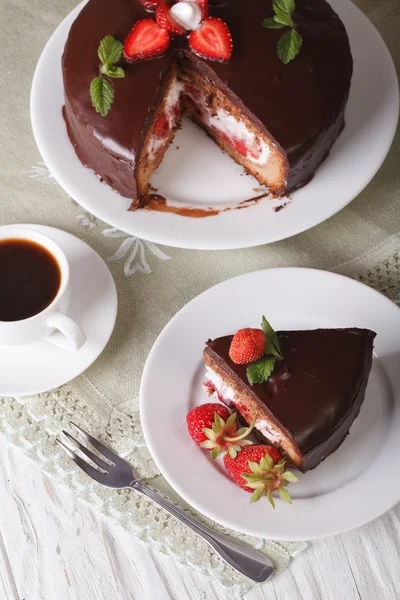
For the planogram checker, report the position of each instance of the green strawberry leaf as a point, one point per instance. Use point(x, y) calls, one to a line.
point(289, 477)
point(209, 433)
point(110, 50)
point(208, 444)
point(215, 452)
point(260, 370)
point(257, 494)
point(289, 46)
point(232, 452)
point(270, 498)
point(231, 420)
point(102, 95)
point(285, 496)
point(272, 24)
point(255, 468)
point(266, 463)
point(272, 346)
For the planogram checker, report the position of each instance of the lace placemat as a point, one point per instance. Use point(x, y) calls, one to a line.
point(33, 423)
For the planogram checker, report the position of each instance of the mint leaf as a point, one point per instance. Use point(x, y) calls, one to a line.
point(260, 370)
point(102, 95)
point(115, 72)
point(283, 17)
point(289, 46)
point(272, 24)
point(272, 346)
point(110, 50)
point(290, 43)
point(286, 6)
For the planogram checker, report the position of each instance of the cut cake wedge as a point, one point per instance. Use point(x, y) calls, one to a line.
point(307, 406)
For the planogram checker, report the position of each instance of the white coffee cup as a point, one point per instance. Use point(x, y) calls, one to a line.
point(51, 324)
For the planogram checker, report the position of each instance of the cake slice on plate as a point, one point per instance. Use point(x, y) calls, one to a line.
point(307, 404)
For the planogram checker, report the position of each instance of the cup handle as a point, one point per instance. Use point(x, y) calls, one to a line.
point(68, 334)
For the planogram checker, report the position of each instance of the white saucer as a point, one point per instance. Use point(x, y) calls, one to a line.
point(42, 366)
point(199, 175)
point(354, 485)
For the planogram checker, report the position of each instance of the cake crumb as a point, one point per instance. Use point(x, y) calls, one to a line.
point(278, 208)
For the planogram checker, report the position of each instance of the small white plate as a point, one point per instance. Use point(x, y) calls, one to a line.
point(39, 367)
point(200, 175)
point(354, 485)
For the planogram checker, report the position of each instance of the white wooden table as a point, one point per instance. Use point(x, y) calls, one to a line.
point(53, 547)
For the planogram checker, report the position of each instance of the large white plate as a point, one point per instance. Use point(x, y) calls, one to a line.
point(357, 483)
point(200, 175)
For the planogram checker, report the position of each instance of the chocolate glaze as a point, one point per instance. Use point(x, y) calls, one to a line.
point(301, 105)
point(316, 392)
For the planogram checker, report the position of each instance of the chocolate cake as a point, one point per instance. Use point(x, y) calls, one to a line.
point(277, 120)
point(313, 396)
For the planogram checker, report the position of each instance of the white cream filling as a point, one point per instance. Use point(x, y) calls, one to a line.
point(186, 13)
point(222, 121)
point(228, 393)
point(171, 100)
point(238, 130)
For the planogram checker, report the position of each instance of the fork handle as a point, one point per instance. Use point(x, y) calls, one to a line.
point(242, 557)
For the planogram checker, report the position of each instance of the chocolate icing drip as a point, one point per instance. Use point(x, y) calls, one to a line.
point(316, 392)
point(301, 104)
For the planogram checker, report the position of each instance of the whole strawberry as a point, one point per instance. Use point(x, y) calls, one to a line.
point(247, 346)
point(212, 427)
point(261, 470)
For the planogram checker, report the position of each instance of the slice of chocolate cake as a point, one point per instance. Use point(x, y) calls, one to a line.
point(308, 404)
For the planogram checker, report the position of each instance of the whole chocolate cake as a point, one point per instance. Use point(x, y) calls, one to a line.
point(308, 404)
point(277, 120)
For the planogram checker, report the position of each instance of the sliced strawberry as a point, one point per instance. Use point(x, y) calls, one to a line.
point(255, 154)
point(240, 147)
point(176, 109)
point(161, 126)
point(166, 21)
point(150, 4)
point(146, 40)
point(212, 40)
point(204, 8)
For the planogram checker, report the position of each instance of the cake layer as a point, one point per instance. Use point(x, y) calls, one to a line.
point(310, 401)
point(300, 105)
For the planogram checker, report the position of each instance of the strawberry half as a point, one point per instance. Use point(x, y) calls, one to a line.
point(212, 40)
point(146, 40)
point(260, 470)
point(166, 21)
point(247, 346)
point(212, 427)
point(150, 4)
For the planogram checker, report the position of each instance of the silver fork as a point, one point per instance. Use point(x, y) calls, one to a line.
point(245, 559)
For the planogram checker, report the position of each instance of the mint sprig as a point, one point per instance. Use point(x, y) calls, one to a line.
point(262, 369)
point(289, 44)
point(101, 89)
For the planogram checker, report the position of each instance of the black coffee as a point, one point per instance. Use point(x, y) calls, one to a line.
point(30, 278)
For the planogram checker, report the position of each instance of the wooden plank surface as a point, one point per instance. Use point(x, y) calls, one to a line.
point(53, 547)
